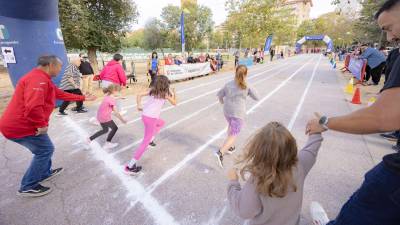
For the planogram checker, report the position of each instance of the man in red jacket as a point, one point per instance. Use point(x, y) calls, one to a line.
point(26, 120)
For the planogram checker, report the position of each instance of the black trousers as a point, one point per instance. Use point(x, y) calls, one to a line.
point(153, 75)
point(375, 73)
point(106, 126)
point(79, 105)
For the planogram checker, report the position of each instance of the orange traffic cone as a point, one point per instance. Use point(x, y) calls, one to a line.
point(357, 97)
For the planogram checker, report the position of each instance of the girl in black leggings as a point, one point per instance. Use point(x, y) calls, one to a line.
point(104, 116)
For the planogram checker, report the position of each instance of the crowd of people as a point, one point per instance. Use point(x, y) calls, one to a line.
point(273, 170)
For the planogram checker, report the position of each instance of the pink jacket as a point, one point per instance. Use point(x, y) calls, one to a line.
point(114, 73)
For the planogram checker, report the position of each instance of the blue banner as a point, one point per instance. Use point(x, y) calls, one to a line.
point(356, 67)
point(183, 31)
point(29, 29)
point(268, 43)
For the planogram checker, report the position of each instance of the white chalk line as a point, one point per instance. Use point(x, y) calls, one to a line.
point(192, 115)
point(134, 188)
point(303, 97)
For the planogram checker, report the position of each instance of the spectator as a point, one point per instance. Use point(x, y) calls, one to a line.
point(178, 60)
point(246, 53)
point(26, 119)
point(87, 74)
point(375, 63)
point(191, 59)
point(220, 62)
point(377, 200)
point(208, 58)
point(237, 57)
point(71, 83)
point(272, 53)
point(169, 60)
point(113, 73)
point(281, 54)
point(202, 58)
point(153, 67)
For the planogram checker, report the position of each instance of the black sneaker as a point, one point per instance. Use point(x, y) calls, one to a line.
point(231, 150)
point(152, 144)
point(396, 148)
point(132, 171)
point(53, 174)
point(220, 158)
point(38, 191)
point(390, 136)
point(82, 111)
point(62, 114)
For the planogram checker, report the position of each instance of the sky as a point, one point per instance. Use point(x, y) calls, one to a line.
point(152, 8)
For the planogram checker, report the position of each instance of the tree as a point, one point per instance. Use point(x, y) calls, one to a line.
point(134, 39)
point(96, 24)
point(198, 25)
point(155, 34)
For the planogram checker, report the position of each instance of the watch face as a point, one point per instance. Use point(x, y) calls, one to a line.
point(323, 119)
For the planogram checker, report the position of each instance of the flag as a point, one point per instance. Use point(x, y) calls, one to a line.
point(268, 43)
point(183, 31)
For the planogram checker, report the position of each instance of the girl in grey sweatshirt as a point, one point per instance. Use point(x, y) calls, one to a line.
point(233, 96)
point(275, 171)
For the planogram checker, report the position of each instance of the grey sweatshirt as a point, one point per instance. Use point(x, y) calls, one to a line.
point(264, 210)
point(234, 99)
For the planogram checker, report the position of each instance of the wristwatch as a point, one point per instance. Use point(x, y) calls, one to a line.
point(323, 121)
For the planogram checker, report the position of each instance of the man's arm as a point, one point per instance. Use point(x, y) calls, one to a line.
point(121, 75)
point(60, 94)
point(382, 116)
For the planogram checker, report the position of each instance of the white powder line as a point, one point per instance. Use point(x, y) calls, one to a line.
point(303, 97)
point(205, 84)
point(135, 191)
point(191, 115)
point(203, 95)
point(194, 154)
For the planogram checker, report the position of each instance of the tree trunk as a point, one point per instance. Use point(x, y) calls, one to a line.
point(93, 59)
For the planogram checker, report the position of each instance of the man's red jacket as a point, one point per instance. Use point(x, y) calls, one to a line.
point(32, 104)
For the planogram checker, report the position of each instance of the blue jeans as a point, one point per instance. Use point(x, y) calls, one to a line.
point(377, 202)
point(42, 149)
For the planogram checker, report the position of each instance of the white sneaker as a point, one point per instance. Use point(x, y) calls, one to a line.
point(110, 145)
point(318, 214)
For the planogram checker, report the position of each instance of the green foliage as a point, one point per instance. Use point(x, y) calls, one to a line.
point(134, 39)
point(96, 24)
point(368, 29)
point(155, 34)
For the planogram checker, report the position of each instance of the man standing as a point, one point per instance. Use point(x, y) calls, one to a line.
point(272, 53)
point(71, 83)
point(87, 74)
point(375, 63)
point(26, 119)
point(377, 201)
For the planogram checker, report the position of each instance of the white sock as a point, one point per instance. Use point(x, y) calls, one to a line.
point(132, 163)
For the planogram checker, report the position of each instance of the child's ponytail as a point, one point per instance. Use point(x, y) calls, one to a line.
point(241, 73)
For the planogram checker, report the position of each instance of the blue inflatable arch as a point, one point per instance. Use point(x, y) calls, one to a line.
point(325, 38)
point(29, 29)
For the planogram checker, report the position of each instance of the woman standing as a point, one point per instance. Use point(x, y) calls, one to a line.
point(153, 67)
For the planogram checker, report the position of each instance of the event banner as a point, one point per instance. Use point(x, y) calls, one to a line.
point(356, 67)
point(29, 29)
point(183, 71)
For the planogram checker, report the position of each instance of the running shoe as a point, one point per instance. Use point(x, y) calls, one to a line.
point(60, 114)
point(132, 171)
point(220, 158)
point(390, 136)
point(38, 191)
point(54, 173)
point(110, 145)
point(152, 144)
point(231, 150)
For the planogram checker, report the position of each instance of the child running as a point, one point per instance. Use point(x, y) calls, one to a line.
point(273, 192)
point(158, 94)
point(233, 96)
point(104, 116)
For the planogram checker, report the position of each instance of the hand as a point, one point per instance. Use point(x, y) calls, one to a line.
point(139, 108)
point(42, 130)
point(90, 97)
point(313, 126)
point(232, 174)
